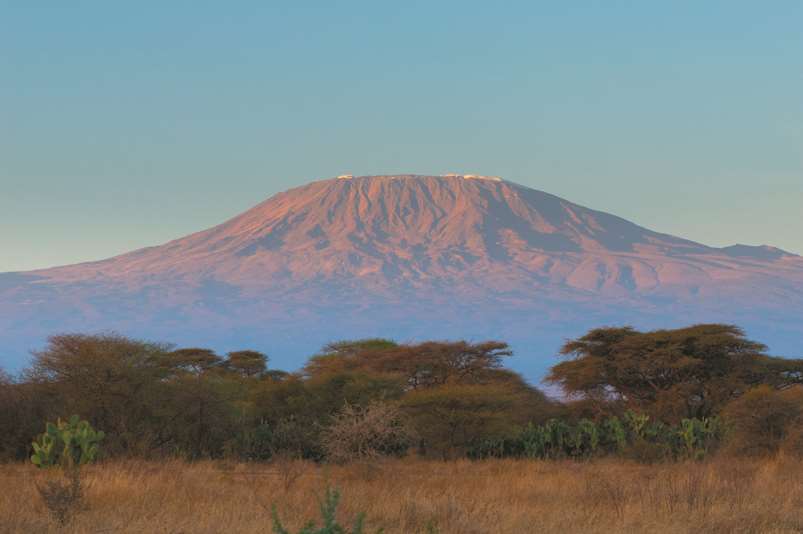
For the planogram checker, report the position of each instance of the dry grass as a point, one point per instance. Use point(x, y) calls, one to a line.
point(406, 496)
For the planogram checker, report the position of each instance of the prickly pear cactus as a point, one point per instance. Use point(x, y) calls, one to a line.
point(697, 436)
point(534, 441)
point(557, 437)
point(67, 443)
point(586, 438)
point(613, 434)
point(636, 423)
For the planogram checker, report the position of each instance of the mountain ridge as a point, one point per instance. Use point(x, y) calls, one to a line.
point(453, 249)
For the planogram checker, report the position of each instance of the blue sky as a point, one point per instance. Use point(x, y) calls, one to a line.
point(125, 125)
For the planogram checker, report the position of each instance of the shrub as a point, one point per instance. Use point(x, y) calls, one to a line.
point(296, 438)
point(365, 433)
point(328, 507)
point(613, 436)
point(451, 420)
point(698, 436)
point(762, 418)
point(255, 443)
point(584, 439)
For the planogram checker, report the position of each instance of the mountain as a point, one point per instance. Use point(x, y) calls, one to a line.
point(408, 257)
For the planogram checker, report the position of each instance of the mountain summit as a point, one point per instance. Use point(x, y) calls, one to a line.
point(407, 255)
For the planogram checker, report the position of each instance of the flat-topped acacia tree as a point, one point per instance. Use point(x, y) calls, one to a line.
point(671, 374)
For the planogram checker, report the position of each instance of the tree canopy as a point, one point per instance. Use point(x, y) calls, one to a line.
point(450, 398)
point(428, 364)
point(686, 372)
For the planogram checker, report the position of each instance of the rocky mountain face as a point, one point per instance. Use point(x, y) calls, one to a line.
point(408, 257)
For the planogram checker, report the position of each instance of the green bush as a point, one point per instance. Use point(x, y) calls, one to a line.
point(637, 437)
point(583, 439)
point(698, 436)
point(328, 507)
point(613, 435)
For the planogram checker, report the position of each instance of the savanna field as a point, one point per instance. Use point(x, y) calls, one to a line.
point(419, 496)
point(689, 430)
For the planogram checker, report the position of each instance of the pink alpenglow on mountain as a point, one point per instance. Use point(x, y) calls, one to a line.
point(409, 257)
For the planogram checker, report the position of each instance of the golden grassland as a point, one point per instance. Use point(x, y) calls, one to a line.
point(421, 496)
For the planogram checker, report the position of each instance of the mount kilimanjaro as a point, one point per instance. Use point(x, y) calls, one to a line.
point(408, 257)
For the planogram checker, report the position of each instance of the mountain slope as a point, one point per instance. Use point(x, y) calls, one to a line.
point(406, 256)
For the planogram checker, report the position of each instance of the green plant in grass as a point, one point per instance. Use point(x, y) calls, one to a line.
point(636, 424)
point(584, 439)
point(66, 445)
point(613, 435)
point(698, 436)
point(328, 507)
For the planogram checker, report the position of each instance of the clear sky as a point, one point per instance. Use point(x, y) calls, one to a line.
point(126, 124)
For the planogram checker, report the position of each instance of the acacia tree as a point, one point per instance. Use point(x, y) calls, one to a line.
point(346, 356)
point(435, 363)
point(248, 363)
point(422, 365)
point(191, 361)
point(110, 380)
point(197, 406)
point(687, 372)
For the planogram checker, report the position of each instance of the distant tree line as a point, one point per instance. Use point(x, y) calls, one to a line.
point(656, 395)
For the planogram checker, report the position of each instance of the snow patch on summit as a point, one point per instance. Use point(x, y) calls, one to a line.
point(473, 177)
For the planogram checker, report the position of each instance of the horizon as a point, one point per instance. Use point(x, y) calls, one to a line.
point(129, 126)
